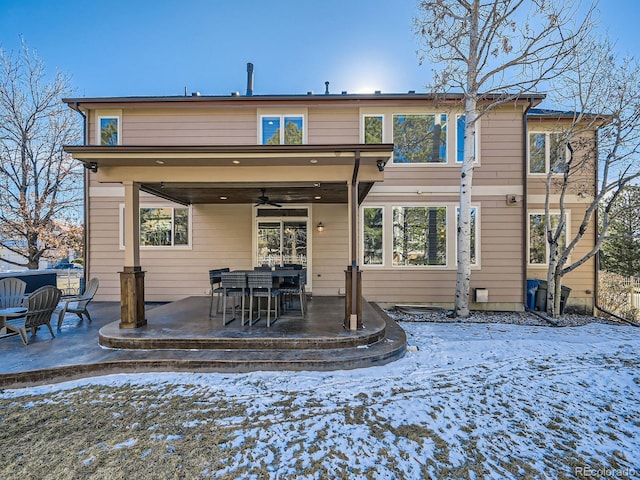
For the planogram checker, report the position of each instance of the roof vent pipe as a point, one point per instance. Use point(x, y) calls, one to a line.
point(326, 88)
point(249, 79)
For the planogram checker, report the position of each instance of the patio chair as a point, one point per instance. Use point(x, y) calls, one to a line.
point(261, 286)
point(78, 304)
point(234, 285)
point(216, 290)
point(40, 307)
point(296, 287)
point(12, 292)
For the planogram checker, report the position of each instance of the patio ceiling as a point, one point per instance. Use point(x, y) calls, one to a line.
point(282, 193)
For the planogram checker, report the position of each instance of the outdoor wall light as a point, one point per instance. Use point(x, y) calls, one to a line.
point(320, 227)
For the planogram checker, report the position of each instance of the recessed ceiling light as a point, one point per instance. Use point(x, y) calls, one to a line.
point(317, 184)
point(313, 160)
point(317, 197)
point(160, 162)
point(223, 198)
point(236, 162)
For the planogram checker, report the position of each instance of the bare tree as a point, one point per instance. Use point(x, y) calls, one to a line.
point(493, 51)
point(603, 139)
point(40, 187)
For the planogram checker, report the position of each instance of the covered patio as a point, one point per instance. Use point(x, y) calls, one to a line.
point(211, 175)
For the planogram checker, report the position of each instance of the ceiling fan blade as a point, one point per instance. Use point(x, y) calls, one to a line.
point(273, 204)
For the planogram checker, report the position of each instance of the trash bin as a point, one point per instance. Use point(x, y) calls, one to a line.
point(541, 296)
point(532, 288)
point(564, 296)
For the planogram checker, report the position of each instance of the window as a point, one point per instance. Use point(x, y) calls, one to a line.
point(460, 126)
point(373, 129)
point(538, 246)
point(474, 235)
point(420, 138)
point(372, 236)
point(419, 236)
point(547, 151)
point(274, 134)
point(109, 128)
point(162, 226)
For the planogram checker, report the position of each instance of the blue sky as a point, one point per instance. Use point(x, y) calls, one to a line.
point(144, 47)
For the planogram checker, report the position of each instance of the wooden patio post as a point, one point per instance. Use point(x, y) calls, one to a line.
point(353, 281)
point(132, 276)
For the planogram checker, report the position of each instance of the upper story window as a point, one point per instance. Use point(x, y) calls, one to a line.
point(547, 152)
point(109, 130)
point(373, 129)
point(420, 138)
point(282, 129)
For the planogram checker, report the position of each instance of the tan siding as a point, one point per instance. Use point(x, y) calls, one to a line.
point(189, 127)
point(330, 249)
point(333, 125)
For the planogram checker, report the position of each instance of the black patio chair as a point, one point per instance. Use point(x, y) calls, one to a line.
point(234, 285)
point(296, 287)
point(261, 286)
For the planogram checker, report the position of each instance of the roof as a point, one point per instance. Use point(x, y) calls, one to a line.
point(310, 96)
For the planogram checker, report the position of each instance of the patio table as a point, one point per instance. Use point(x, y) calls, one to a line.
point(7, 313)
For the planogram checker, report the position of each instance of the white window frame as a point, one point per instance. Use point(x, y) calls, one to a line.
point(189, 245)
point(547, 151)
point(476, 142)
point(567, 236)
point(476, 265)
point(384, 239)
point(363, 125)
point(449, 145)
point(104, 116)
point(282, 116)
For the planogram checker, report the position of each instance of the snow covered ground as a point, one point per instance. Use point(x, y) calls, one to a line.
point(487, 400)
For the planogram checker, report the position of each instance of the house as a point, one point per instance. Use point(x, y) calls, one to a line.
point(325, 180)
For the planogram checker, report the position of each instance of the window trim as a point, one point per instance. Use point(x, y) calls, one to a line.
point(567, 236)
point(448, 145)
point(547, 152)
point(282, 116)
point(104, 116)
point(188, 246)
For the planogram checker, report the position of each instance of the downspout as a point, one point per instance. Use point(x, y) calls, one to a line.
point(85, 200)
point(525, 220)
point(354, 242)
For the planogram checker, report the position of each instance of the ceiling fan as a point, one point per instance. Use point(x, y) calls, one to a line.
point(264, 200)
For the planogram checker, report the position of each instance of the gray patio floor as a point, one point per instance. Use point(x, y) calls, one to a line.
point(179, 336)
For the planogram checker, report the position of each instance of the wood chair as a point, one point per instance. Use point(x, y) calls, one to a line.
point(234, 285)
point(40, 307)
point(12, 292)
point(78, 304)
point(215, 279)
point(261, 286)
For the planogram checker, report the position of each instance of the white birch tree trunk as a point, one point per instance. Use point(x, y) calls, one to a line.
point(463, 277)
